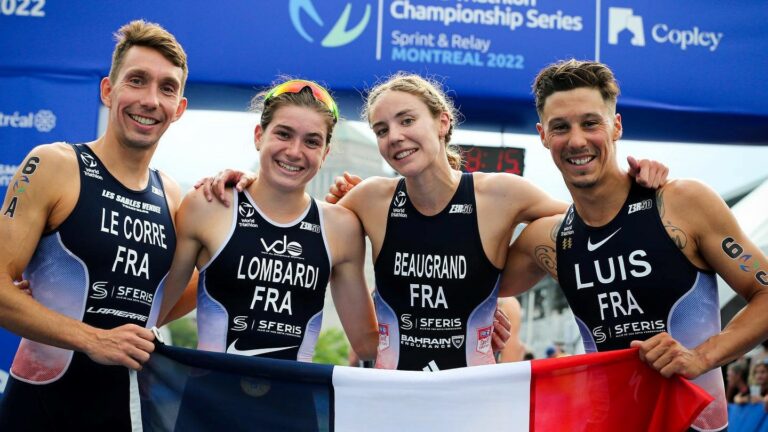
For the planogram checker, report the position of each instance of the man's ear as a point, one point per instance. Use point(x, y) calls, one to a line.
point(542, 135)
point(105, 90)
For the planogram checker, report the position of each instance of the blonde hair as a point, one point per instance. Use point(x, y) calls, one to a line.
point(430, 92)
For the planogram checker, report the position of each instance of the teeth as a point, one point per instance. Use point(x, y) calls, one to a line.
point(403, 154)
point(288, 167)
point(144, 120)
point(581, 161)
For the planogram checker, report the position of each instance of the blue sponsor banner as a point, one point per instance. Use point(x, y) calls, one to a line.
point(37, 110)
point(692, 55)
point(43, 109)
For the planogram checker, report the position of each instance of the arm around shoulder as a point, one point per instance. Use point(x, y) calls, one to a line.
point(348, 288)
point(530, 201)
point(531, 256)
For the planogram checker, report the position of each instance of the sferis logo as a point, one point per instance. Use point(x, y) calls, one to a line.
point(340, 34)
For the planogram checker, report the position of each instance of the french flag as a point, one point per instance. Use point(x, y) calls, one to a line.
point(189, 390)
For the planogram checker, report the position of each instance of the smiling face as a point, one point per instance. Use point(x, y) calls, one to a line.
point(292, 147)
point(409, 137)
point(144, 99)
point(580, 130)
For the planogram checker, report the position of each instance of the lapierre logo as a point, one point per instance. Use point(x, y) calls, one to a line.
point(624, 19)
point(340, 33)
point(642, 205)
point(461, 209)
point(44, 120)
point(315, 228)
point(280, 247)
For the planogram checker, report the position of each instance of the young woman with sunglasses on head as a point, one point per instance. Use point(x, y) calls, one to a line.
point(265, 262)
point(439, 236)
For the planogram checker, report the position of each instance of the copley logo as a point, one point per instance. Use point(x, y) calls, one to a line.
point(43, 120)
point(624, 19)
point(620, 19)
point(339, 35)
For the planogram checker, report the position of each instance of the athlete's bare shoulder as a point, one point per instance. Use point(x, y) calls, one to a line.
point(371, 192)
point(172, 190)
point(374, 187)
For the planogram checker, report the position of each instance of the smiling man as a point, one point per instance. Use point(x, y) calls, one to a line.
point(92, 230)
point(637, 265)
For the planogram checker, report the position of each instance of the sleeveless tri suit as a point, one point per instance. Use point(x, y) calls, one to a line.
point(628, 280)
point(103, 266)
point(262, 292)
point(436, 290)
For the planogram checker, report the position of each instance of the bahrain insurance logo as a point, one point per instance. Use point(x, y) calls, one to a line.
point(339, 35)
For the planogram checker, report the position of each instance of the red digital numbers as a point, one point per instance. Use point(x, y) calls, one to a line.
point(493, 159)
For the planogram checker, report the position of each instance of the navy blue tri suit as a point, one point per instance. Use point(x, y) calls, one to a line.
point(436, 290)
point(262, 294)
point(628, 280)
point(103, 266)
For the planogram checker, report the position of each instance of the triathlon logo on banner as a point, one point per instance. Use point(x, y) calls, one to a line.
point(339, 35)
point(44, 120)
point(622, 20)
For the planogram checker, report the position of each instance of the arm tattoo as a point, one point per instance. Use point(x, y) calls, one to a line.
point(20, 185)
point(547, 259)
point(660, 202)
point(555, 230)
point(677, 235)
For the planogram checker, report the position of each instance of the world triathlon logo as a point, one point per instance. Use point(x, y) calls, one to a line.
point(339, 35)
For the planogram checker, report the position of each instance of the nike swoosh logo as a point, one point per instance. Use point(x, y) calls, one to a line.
point(591, 247)
point(254, 352)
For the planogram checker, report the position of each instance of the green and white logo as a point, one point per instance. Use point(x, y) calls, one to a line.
point(339, 35)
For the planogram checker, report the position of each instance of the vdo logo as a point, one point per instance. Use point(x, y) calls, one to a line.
point(280, 247)
point(339, 35)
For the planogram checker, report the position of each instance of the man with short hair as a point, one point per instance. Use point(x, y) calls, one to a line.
point(637, 265)
point(92, 230)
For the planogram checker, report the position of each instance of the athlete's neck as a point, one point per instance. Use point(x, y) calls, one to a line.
point(599, 204)
point(431, 191)
point(130, 166)
point(279, 205)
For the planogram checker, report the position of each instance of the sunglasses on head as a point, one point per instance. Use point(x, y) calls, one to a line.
point(296, 86)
